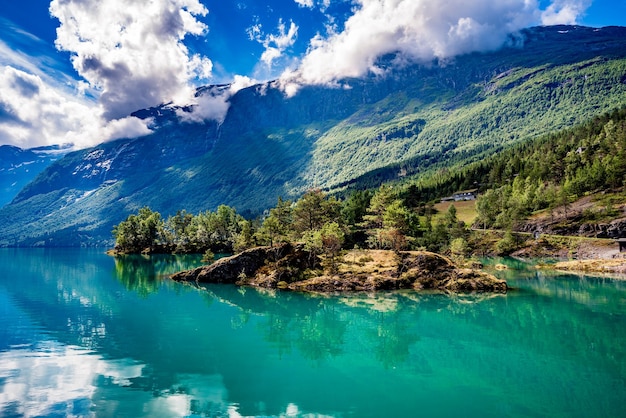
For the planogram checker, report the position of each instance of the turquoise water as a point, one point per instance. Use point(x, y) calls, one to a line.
point(83, 334)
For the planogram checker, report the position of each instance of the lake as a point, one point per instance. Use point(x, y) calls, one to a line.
point(84, 334)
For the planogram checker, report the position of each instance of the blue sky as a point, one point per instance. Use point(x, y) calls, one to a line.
point(72, 70)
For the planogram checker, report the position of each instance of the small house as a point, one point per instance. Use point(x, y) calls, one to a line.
point(462, 195)
point(465, 195)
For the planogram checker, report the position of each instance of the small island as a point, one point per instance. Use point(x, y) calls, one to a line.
point(292, 267)
point(367, 242)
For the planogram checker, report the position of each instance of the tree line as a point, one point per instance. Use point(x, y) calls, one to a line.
point(548, 172)
point(380, 219)
point(544, 173)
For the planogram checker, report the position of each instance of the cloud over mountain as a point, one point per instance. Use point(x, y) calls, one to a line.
point(33, 113)
point(133, 51)
point(125, 56)
point(419, 30)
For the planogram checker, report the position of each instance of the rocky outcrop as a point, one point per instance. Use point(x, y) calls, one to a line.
point(614, 229)
point(592, 266)
point(247, 264)
point(290, 267)
point(426, 270)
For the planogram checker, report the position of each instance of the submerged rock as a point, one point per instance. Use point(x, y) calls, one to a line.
point(290, 267)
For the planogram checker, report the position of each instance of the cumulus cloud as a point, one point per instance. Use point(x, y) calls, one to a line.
point(34, 113)
point(564, 12)
point(274, 44)
point(420, 31)
point(133, 52)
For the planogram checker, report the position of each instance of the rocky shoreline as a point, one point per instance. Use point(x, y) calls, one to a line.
point(291, 267)
point(592, 266)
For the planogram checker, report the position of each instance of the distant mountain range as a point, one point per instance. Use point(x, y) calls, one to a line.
point(412, 120)
point(18, 167)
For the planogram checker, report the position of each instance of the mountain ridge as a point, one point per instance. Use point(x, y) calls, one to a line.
point(19, 166)
point(268, 145)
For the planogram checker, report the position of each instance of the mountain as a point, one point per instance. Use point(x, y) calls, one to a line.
point(18, 167)
point(406, 122)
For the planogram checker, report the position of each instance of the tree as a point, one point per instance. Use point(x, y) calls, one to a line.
point(450, 217)
point(355, 207)
point(176, 229)
point(245, 238)
point(138, 232)
point(277, 225)
point(488, 206)
point(382, 199)
point(459, 247)
point(328, 241)
point(312, 211)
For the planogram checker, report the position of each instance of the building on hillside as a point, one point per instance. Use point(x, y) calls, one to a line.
point(462, 195)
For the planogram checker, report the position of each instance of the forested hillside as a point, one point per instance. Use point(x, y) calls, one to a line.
point(412, 121)
point(549, 172)
point(545, 173)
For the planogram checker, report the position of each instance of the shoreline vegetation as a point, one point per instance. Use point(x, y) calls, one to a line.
point(541, 198)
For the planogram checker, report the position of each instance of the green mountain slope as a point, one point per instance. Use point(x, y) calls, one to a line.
point(373, 129)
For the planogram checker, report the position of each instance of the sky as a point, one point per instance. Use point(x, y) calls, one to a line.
point(72, 71)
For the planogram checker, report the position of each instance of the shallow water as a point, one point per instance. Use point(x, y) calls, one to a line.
point(84, 334)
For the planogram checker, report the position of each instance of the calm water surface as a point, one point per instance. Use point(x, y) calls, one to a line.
point(84, 334)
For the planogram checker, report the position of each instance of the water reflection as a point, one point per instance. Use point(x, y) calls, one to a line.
point(553, 347)
point(141, 273)
point(53, 379)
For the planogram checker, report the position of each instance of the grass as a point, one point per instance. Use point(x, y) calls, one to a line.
point(368, 262)
point(465, 210)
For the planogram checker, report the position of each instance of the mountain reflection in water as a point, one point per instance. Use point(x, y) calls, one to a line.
point(85, 334)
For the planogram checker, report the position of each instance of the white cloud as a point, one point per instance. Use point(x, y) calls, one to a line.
point(133, 52)
point(305, 3)
point(310, 4)
point(33, 113)
point(564, 12)
point(41, 105)
point(420, 31)
point(212, 103)
point(274, 44)
point(130, 55)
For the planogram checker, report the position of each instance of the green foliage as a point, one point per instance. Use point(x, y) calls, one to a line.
point(182, 233)
point(300, 220)
point(313, 210)
point(506, 244)
point(355, 207)
point(327, 240)
point(138, 232)
point(551, 171)
point(208, 257)
point(459, 247)
point(388, 221)
point(277, 225)
point(245, 238)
